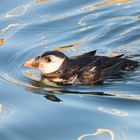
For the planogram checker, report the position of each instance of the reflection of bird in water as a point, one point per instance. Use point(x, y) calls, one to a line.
point(52, 98)
point(86, 69)
point(47, 92)
point(53, 93)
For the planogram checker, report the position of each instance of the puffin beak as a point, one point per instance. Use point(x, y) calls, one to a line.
point(32, 63)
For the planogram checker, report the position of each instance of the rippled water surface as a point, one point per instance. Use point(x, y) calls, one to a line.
point(30, 110)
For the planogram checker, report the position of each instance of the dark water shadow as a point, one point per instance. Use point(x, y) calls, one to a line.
point(52, 93)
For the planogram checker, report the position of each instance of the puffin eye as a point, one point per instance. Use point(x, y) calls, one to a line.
point(48, 60)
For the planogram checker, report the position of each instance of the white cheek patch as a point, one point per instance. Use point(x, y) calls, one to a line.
point(52, 66)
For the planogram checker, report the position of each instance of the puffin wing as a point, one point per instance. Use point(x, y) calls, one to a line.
point(112, 70)
point(108, 62)
point(32, 63)
point(90, 74)
point(123, 64)
point(94, 73)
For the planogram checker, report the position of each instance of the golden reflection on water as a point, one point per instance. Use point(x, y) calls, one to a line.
point(63, 48)
point(32, 75)
point(41, 1)
point(35, 81)
point(108, 2)
point(98, 132)
point(112, 2)
point(69, 47)
point(2, 42)
point(115, 112)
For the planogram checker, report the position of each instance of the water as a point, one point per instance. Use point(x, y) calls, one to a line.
point(30, 110)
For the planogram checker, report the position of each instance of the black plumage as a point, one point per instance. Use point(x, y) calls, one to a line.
point(88, 68)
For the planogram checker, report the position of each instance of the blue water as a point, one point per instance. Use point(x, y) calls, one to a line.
point(31, 110)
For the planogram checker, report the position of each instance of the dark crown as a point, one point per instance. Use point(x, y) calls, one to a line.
point(56, 53)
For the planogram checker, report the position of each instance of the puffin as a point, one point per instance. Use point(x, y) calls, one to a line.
point(84, 69)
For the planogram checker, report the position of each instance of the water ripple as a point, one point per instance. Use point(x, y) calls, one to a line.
point(115, 112)
point(19, 11)
point(99, 132)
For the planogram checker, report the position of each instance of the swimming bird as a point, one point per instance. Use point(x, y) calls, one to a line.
point(85, 69)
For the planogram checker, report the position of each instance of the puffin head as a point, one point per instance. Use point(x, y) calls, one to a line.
point(48, 62)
